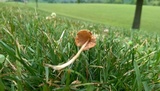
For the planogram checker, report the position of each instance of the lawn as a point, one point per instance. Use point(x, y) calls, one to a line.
point(117, 15)
point(122, 60)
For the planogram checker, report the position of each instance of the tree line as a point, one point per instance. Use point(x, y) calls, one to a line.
point(146, 2)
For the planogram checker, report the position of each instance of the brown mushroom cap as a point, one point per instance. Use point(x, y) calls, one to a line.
point(84, 36)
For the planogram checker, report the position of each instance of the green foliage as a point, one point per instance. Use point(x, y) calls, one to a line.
point(2, 58)
point(122, 59)
point(155, 2)
point(118, 1)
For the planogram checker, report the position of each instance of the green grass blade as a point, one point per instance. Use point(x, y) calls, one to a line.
point(138, 76)
point(2, 86)
point(146, 87)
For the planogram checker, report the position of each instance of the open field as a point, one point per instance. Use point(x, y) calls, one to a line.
point(122, 60)
point(110, 14)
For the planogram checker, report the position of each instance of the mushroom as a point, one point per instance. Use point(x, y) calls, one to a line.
point(86, 40)
point(82, 37)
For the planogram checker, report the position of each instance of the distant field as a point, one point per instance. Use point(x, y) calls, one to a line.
point(109, 14)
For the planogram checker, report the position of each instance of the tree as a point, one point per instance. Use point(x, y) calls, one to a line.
point(36, 3)
point(78, 1)
point(137, 16)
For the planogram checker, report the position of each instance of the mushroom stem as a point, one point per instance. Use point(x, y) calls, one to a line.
point(59, 67)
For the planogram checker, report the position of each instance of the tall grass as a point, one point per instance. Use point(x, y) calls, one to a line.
point(121, 60)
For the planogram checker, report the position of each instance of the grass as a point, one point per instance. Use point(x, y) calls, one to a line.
point(110, 14)
point(121, 60)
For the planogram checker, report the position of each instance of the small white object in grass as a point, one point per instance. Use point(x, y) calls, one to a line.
point(97, 35)
point(47, 18)
point(106, 31)
point(76, 82)
point(53, 15)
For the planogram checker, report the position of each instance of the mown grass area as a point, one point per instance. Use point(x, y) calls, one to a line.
point(122, 60)
point(119, 15)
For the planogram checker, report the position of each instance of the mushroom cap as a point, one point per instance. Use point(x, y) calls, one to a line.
point(84, 36)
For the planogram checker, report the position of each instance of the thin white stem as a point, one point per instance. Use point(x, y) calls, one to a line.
point(59, 67)
point(60, 39)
